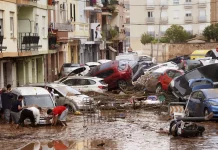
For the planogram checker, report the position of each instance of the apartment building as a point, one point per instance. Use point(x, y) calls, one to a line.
point(155, 16)
point(127, 24)
point(8, 42)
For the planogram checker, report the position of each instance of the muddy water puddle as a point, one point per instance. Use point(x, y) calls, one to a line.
point(134, 132)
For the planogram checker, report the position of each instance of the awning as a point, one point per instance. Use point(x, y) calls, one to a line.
point(112, 49)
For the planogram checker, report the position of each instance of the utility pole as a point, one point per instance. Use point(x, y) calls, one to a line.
point(158, 42)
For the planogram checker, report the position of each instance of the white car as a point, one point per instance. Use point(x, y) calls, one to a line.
point(167, 64)
point(85, 84)
point(67, 96)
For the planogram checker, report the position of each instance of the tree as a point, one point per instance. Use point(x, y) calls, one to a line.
point(113, 32)
point(177, 34)
point(211, 32)
point(145, 39)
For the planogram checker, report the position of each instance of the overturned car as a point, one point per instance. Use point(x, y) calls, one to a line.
point(200, 78)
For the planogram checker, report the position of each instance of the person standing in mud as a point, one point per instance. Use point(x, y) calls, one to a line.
point(6, 98)
point(59, 113)
point(32, 113)
point(16, 109)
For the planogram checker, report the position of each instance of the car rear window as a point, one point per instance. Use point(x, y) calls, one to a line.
point(122, 65)
point(102, 82)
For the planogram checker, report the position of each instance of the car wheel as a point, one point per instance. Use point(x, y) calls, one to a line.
point(122, 84)
point(71, 108)
point(159, 89)
point(206, 112)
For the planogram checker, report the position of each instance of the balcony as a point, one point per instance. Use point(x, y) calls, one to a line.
point(28, 41)
point(63, 26)
point(51, 4)
point(150, 20)
point(52, 42)
point(202, 5)
point(202, 19)
point(188, 19)
point(81, 30)
point(2, 48)
point(27, 2)
point(150, 7)
point(188, 5)
point(164, 20)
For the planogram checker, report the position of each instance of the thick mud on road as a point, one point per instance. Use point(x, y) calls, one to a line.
point(136, 132)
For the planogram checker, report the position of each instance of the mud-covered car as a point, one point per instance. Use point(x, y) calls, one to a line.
point(160, 79)
point(181, 88)
point(188, 65)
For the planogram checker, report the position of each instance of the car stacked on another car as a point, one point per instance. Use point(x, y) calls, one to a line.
point(67, 68)
point(160, 79)
point(115, 73)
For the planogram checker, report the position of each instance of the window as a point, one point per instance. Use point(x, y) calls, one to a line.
point(1, 23)
point(36, 27)
point(150, 2)
point(202, 12)
point(195, 95)
point(150, 14)
point(12, 24)
point(188, 13)
point(70, 82)
point(43, 26)
point(170, 73)
point(83, 82)
point(175, 2)
point(188, 1)
point(176, 14)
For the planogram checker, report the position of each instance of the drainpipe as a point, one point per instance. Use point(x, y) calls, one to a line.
point(159, 34)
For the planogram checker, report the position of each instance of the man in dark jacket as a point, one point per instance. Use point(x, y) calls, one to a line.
point(6, 104)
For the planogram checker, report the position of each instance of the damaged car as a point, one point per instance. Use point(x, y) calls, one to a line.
point(202, 77)
point(160, 79)
point(115, 73)
point(202, 102)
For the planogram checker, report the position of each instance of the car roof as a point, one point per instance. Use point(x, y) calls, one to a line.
point(29, 91)
point(92, 63)
point(208, 92)
point(163, 69)
point(84, 77)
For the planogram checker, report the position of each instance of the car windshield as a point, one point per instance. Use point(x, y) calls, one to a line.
point(67, 90)
point(43, 101)
point(201, 82)
point(71, 65)
point(145, 58)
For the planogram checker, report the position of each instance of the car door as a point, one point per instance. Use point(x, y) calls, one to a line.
point(72, 83)
point(60, 99)
point(167, 78)
point(192, 103)
point(83, 85)
point(200, 104)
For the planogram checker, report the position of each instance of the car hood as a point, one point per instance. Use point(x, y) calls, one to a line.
point(77, 98)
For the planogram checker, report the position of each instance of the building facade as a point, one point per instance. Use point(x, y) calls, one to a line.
point(158, 16)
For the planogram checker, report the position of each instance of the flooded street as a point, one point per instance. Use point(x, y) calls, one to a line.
point(136, 131)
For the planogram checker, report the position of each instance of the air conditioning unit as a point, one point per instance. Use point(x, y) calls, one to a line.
point(62, 7)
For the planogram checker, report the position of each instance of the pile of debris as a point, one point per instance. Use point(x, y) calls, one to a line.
point(141, 82)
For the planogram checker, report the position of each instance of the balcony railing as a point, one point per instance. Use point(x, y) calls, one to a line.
point(188, 5)
point(202, 19)
point(2, 48)
point(150, 7)
point(150, 20)
point(28, 41)
point(188, 19)
point(52, 42)
point(202, 4)
point(27, 2)
point(80, 29)
point(63, 26)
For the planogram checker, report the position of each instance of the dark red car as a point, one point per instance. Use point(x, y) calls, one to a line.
point(115, 73)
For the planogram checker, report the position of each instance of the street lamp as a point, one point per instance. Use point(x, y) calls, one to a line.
point(158, 42)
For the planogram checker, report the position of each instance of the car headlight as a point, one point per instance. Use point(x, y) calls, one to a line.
point(213, 103)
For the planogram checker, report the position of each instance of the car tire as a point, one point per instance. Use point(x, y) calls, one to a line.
point(122, 84)
point(206, 112)
point(158, 89)
point(71, 108)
